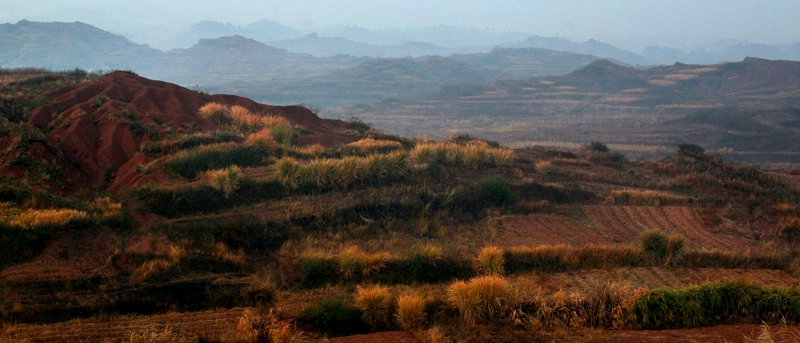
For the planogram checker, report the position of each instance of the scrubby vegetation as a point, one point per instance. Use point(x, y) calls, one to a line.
point(302, 240)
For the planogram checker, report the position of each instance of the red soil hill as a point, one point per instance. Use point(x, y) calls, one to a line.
point(96, 128)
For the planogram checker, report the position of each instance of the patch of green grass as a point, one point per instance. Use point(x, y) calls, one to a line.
point(189, 163)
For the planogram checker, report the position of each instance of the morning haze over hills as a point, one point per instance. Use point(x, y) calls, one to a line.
point(399, 79)
point(437, 175)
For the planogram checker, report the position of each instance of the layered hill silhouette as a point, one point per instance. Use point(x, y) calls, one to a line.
point(747, 106)
point(380, 79)
point(93, 131)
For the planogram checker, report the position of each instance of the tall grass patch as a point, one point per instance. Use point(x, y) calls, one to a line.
point(411, 311)
point(375, 303)
point(225, 180)
point(714, 304)
point(342, 173)
point(472, 155)
point(483, 298)
point(368, 146)
point(217, 113)
point(189, 163)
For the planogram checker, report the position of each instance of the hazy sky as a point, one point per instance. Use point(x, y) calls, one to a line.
point(631, 23)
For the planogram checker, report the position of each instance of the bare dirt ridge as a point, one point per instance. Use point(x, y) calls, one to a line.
point(97, 127)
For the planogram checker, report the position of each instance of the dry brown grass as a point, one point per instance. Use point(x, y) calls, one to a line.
point(375, 302)
point(155, 335)
point(245, 121)
point(470, 155)
point(411, 311)
point(483, 298)
point(226, 180)
point(369, 145)
point(254, 326)
point(647, 197)
point(263, 141)
point(41, 218)
point(218, 113)
point(353, 261)
point(490, 261)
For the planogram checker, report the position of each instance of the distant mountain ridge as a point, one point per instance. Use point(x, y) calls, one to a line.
point(64, 46)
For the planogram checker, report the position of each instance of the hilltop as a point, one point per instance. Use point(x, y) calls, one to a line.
point(132, 208)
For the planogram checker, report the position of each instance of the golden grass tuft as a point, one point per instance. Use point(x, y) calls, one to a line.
point(245, 121)
point(490, 261)
point(434, 335)
point(481, 298)
point(256, 327)
point(218, 113)
point(263, 141)
point(226, 180)
point(470, 155)
point(429, 252)
point(222, 252)
point(42, 218)
point(353, 261)
point(308, 151)
point(342, 173)
point(544, 166)
point(375, 302)
point(648, 197)
point(411, 311)
point(370, 145)
point(272, 120)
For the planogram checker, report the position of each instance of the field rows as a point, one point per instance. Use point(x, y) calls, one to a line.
point(210, 324)
point(614, 225)
point(648, 277)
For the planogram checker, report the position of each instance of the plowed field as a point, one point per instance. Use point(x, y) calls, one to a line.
point(205, 324)
point(617, 224)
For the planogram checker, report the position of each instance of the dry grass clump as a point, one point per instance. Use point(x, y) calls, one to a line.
point(245, 121)
point(226, 180)
point(342, 173)
point(470, 155)
point(785, 334)
point(369, 145)
point(154, 335)
point(218, 113)
point(482, 298)
point(272, 120)
point(353, 262)
point(222, 252)
point(158, 266)
point(434, 335)
point(257, 327)
point(308, 151)
point(544, 166)
point(645, 198)
point(105, 208)
point(42, 218)
point(490, 261)
point(375, 303)
point(263, 141)
point(410, 311)
point(429, 252)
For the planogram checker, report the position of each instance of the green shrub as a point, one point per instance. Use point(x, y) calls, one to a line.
point(654, 242)
point(335, 318)
point(713, 304)
point(189, 163)
point(495, 191)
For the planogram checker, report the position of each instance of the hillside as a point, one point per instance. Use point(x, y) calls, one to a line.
point(134, 209)
point(92, 132)
point(636, 110)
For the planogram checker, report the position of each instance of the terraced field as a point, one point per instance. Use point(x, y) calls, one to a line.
point(209, 325)
point(616, 225)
